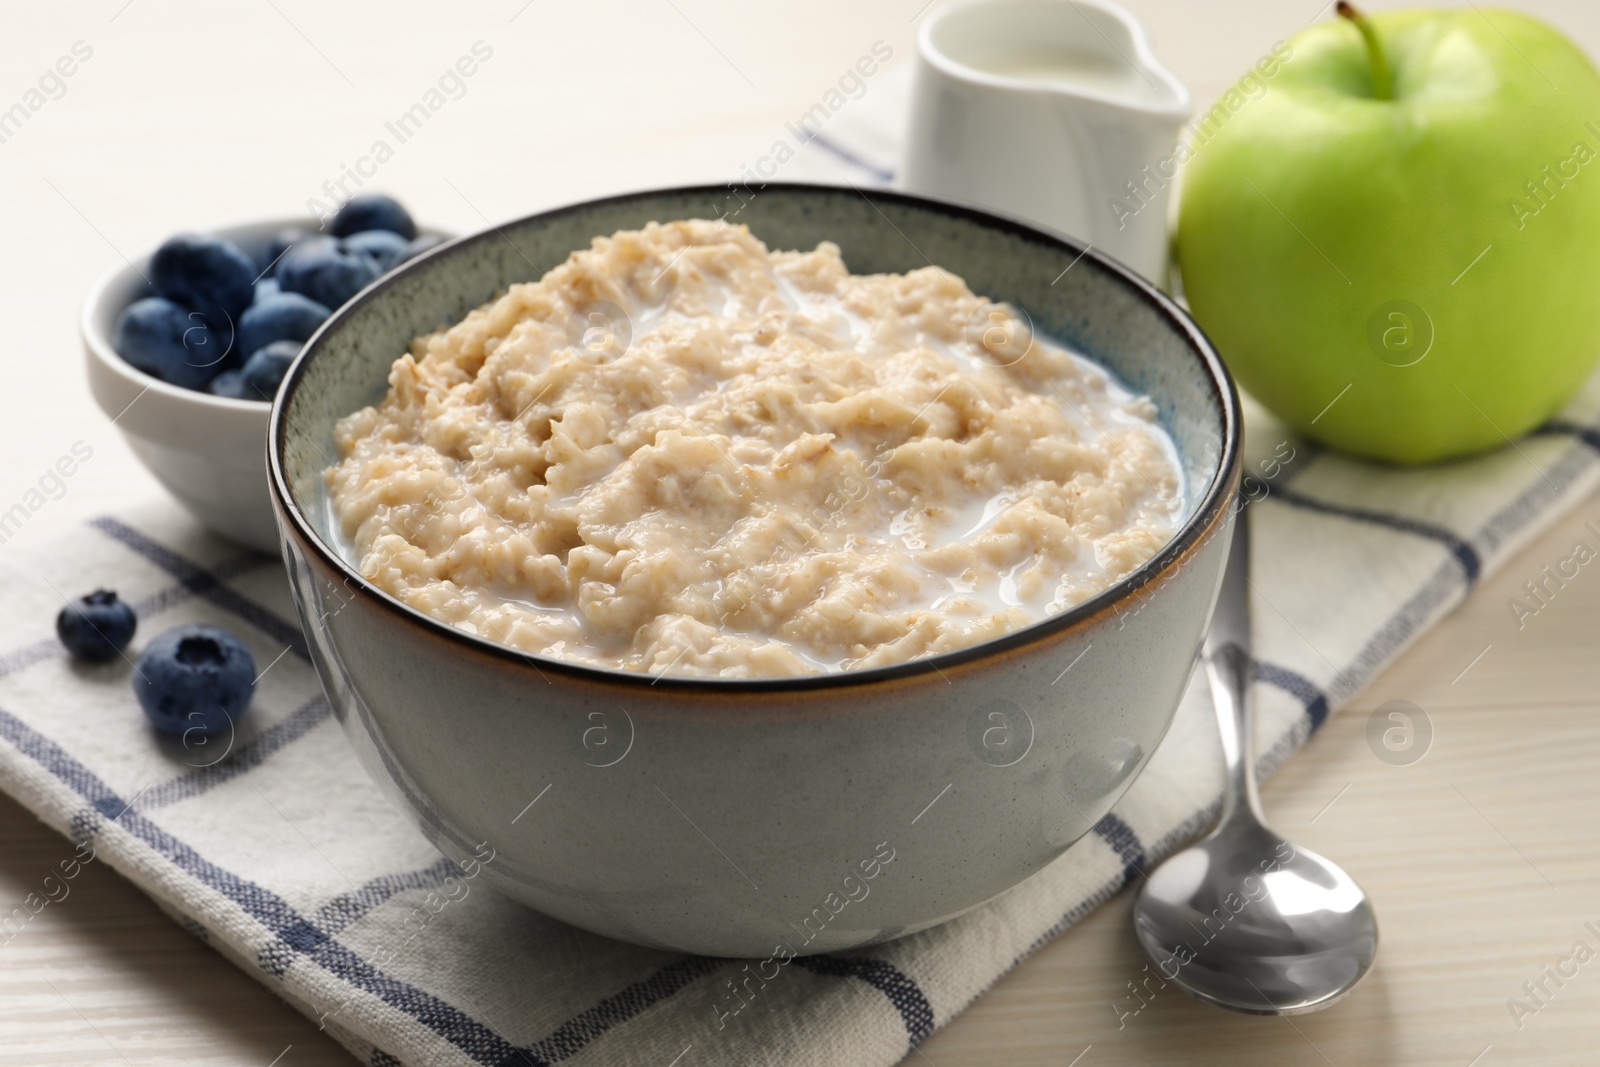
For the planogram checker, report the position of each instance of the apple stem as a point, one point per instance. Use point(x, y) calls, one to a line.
point(1382, 84)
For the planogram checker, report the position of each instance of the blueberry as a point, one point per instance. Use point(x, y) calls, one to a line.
point(266, 289)
point(326, 271)
point(194, 678)
point(205, 274)
point(386, 249)
point(372, 211)
point(419, 245)
point(170, 342)
point(285, 317)
point(96, 627)
point(230, 383)
point(264, 370)
point(281, 242)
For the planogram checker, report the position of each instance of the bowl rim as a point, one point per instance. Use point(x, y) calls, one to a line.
point(1216, 496)
point(98, 341)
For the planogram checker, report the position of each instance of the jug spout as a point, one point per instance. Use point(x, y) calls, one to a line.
point(1056, 110)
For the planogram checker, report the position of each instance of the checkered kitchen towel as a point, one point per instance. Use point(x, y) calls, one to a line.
point(284, 857)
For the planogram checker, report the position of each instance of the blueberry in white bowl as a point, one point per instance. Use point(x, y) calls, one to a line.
point(281, 242)
point(372, 211)
point(206, 273)
point(229, 384)
point(279, 317)
point(170, 342)
point(326, 271)
point(263, 372)
point(387, 249)
point(194, 678)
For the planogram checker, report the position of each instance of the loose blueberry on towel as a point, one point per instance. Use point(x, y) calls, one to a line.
point(326, 271)
point(205, 274)
point(230, 383)
point(263, 372)
point(372, 211)
point(170, 342)
point(386, 249)
point(285, 317)
point(197, 678)
point(96, 627)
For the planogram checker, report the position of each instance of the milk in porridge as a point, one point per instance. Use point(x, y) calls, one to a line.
point(681, 453)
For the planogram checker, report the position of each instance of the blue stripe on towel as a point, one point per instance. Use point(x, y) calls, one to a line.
point(203, 583)
point(888, 979)
point(841, 152)
point(28, 655)
point(279, 735)
point(1466, 555)
point(572, 1036)
point(1298, 686)
point(1587, 434)
point(346, 909)
point(460, 1029)
point(1125, 843)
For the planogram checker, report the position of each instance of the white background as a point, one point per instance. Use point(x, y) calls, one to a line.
point(198, 114)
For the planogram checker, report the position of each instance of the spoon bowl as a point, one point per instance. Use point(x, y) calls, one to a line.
point(1251, 922)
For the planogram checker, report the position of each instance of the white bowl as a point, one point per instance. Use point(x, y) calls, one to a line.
point(207, 451)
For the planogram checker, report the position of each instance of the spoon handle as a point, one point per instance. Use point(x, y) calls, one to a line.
point(1228, 667)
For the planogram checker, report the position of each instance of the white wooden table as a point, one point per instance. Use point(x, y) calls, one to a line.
point(1482, 856)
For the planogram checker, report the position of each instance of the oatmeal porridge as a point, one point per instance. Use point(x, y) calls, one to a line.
point(681, 453)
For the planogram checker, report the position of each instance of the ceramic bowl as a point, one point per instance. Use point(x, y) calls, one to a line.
point(743, 817)
point(207, 451)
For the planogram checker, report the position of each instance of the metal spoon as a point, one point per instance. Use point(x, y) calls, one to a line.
point(1243, 918)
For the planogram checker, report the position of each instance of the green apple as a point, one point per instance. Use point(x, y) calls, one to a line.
point(1396, 246)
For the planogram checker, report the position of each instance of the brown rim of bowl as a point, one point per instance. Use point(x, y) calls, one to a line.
point(1213, 500)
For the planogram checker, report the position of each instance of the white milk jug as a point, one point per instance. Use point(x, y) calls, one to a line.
point(1053, 110)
